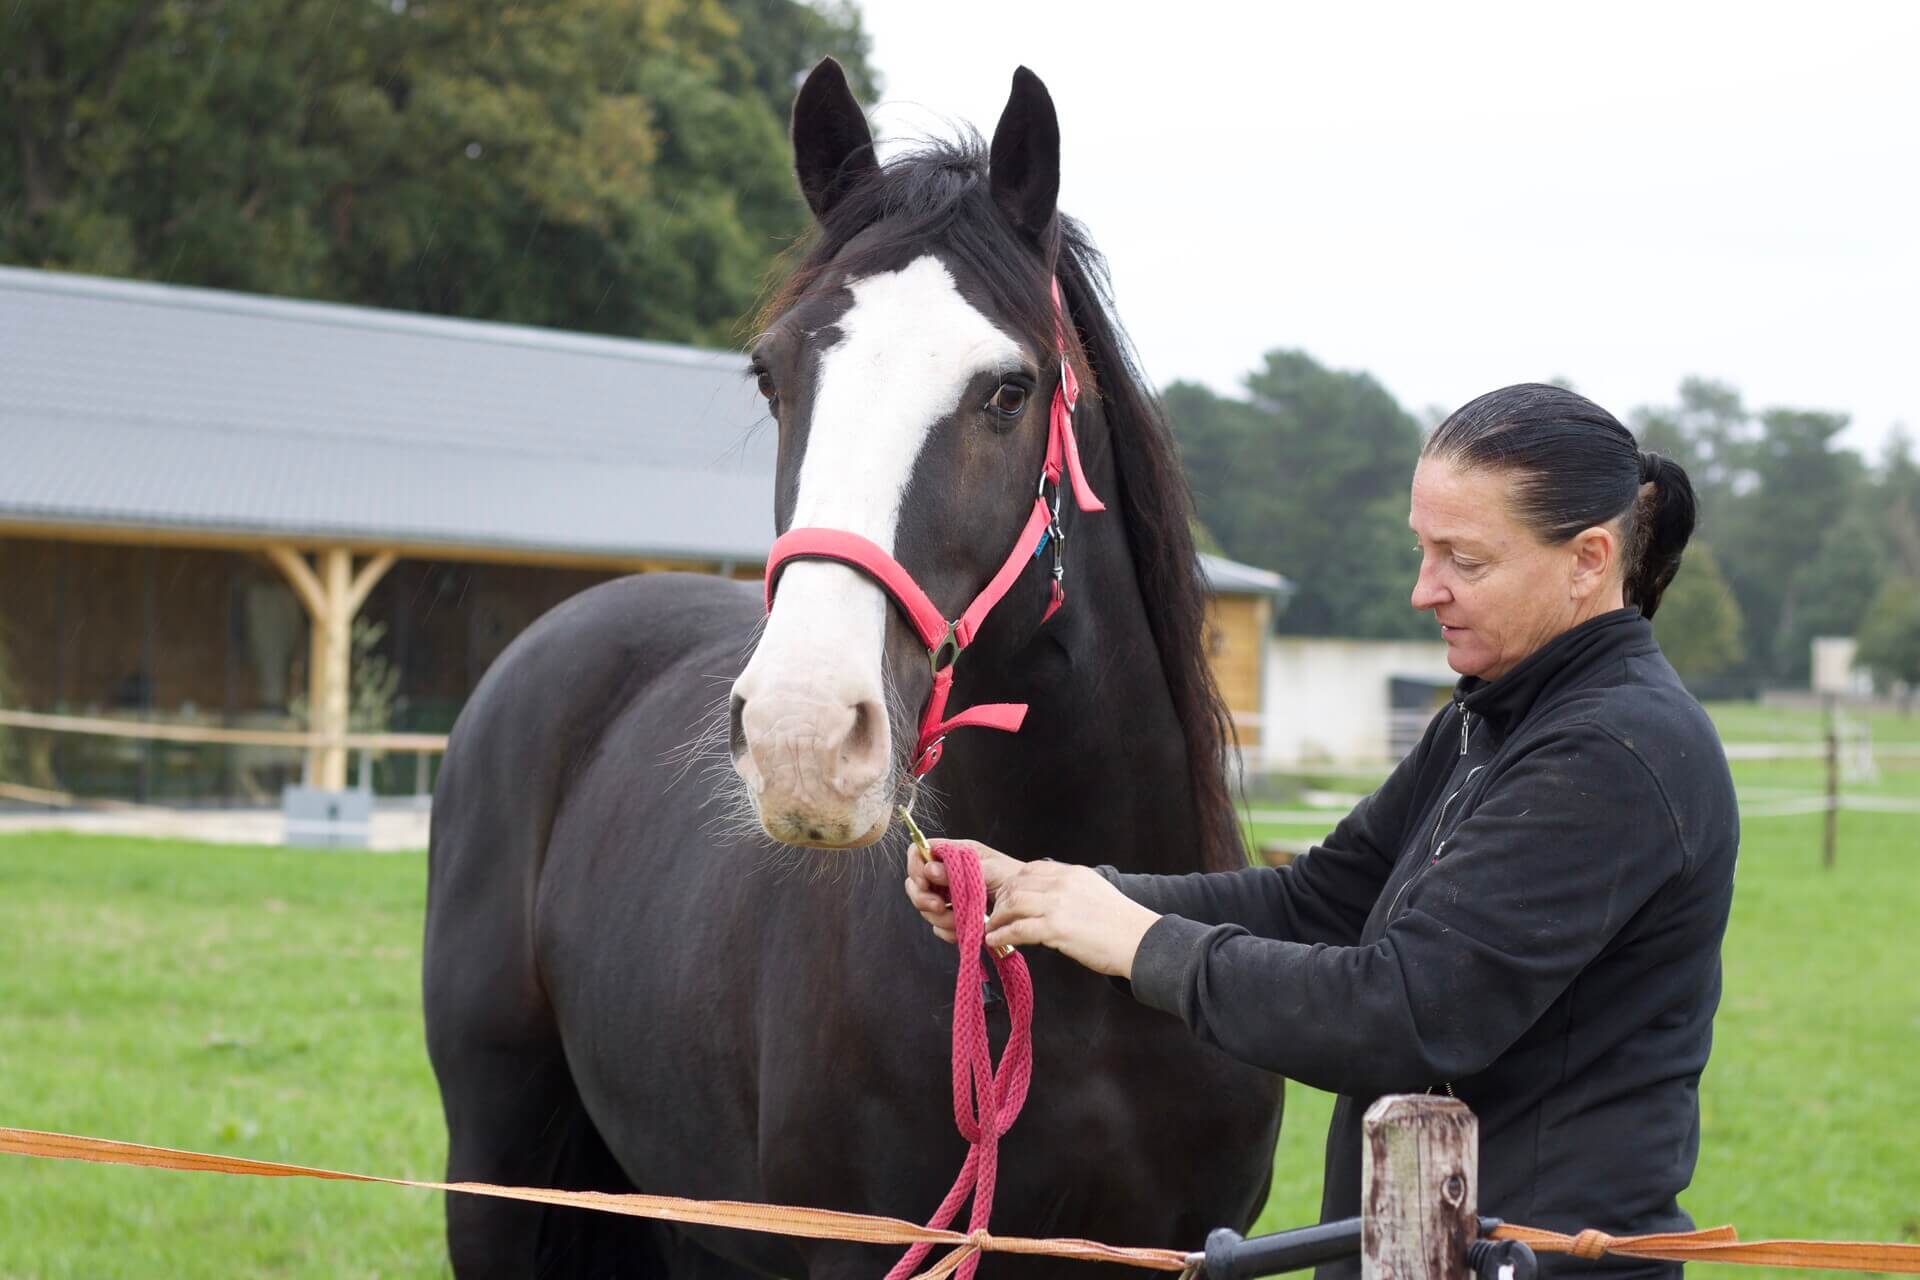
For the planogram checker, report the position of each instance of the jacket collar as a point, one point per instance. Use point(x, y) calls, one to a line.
point(1555, 664)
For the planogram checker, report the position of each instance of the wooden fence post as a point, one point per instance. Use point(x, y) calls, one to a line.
point(1828, 845)
point(1419, 1188)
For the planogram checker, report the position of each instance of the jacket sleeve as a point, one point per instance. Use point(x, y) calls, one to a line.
point(1562, 850)
point(1324, 896)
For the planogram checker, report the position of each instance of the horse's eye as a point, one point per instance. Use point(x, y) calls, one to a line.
point(766, 384)
point(1009, 400)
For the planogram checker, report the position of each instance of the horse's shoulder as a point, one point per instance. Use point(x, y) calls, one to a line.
point(589, 647)
point(664, 604)
point(640, 616)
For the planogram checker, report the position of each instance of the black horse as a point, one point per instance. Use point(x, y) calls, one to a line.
point(625, 991)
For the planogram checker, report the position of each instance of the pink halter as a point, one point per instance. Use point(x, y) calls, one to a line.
point(945, 640)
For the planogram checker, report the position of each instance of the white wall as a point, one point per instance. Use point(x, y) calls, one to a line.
point(1326, 700)
point(1833, 669)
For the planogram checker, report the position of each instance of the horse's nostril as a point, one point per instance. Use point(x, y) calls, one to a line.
point(860, 738)
point(736, 731)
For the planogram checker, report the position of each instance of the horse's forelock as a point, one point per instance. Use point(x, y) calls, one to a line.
point(932, 199)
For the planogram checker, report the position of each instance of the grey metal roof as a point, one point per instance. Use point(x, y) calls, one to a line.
point(1230, 577)
point(148, 405)
point(127, 404)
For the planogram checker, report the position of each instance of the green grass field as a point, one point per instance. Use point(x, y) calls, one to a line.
point(265, 1002)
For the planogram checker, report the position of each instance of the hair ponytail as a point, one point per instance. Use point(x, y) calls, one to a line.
point(1663, 520)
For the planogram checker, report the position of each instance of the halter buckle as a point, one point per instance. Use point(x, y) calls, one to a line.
point(927, 757)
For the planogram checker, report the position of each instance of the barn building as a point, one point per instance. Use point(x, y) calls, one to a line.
point(220, 509)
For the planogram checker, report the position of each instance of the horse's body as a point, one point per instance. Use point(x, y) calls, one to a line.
point(622, 993)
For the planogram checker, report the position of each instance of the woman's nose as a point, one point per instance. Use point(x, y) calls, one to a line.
point(1427, 594)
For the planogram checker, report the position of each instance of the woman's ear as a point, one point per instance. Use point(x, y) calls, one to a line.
point(1596, 556)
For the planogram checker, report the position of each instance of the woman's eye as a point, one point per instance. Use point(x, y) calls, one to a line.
point(1009, 400)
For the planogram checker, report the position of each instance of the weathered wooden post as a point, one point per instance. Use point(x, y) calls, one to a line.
point(1419, 1188)
point(1831, 836)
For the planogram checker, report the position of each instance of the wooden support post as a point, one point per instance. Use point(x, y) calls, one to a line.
point(332, 591)
point(330, 696)
point(1419, 1188)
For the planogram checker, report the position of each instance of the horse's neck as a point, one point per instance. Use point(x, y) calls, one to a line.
point(1099, 772)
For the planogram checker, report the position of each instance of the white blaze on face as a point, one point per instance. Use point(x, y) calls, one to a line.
point(910, 344)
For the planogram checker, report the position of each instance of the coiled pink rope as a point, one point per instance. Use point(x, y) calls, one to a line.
point(985, 1102)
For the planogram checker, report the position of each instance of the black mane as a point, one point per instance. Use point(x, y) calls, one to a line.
point(937, 197)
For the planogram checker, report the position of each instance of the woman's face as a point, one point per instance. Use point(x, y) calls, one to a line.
point(1497, 591)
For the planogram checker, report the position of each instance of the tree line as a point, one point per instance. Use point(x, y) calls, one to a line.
point(617, 166)
point(621, 166)
point(1307, 470)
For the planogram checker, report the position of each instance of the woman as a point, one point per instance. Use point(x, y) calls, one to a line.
point(1527, 914)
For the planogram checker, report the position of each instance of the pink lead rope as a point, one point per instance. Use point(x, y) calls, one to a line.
point(985, 1102)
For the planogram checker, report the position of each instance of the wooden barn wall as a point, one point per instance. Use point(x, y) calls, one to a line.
point(1236, 641)
point(218, 636)
point(99, 627)
point(94, 627)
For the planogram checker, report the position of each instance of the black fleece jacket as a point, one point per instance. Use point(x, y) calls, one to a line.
point(1527, 913)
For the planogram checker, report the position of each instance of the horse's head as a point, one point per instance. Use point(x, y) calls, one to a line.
point(910, 363)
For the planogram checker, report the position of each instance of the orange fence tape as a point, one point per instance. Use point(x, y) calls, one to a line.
point(1723, 1244)
point(1717, 1244)
point(812, 1224)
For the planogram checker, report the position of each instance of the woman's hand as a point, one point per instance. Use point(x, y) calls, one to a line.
point(1070, 908)
point(1073, 909)
point(927, 885)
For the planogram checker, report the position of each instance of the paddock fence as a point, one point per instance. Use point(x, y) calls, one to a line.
point(1420, 1220)
point(424, 748)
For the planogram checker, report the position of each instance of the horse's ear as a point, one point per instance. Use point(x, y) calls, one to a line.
point(832, 146)
point(1025, 164)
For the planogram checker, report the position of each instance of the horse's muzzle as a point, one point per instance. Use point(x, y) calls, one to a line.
point(819, 769)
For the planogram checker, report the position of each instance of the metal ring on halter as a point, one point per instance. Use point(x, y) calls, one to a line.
point(947, 652)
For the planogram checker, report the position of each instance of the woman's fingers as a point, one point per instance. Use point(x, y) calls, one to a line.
point(936, 909)
point(929, 904)
point(1015, 903)
point(1023, 932)
point(996, 868)
point(926, 890)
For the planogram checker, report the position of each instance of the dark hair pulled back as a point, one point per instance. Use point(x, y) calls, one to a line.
point(1576, 467)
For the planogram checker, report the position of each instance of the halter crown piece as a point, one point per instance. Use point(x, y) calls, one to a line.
point(945, 641)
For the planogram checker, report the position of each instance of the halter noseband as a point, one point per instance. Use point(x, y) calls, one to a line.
point(945, 641)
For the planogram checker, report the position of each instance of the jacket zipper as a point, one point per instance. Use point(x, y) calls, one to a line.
point(1466, 731)
point(1437, 844)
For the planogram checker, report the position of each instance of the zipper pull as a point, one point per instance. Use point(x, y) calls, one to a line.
point(1465, 726)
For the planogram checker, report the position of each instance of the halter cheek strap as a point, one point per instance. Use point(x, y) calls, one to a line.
point(945, 641)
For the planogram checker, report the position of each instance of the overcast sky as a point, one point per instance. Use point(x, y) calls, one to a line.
point(1458, 197)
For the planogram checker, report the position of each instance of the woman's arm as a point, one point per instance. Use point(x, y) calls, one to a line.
point(1573, 840)
point(1327, 893)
